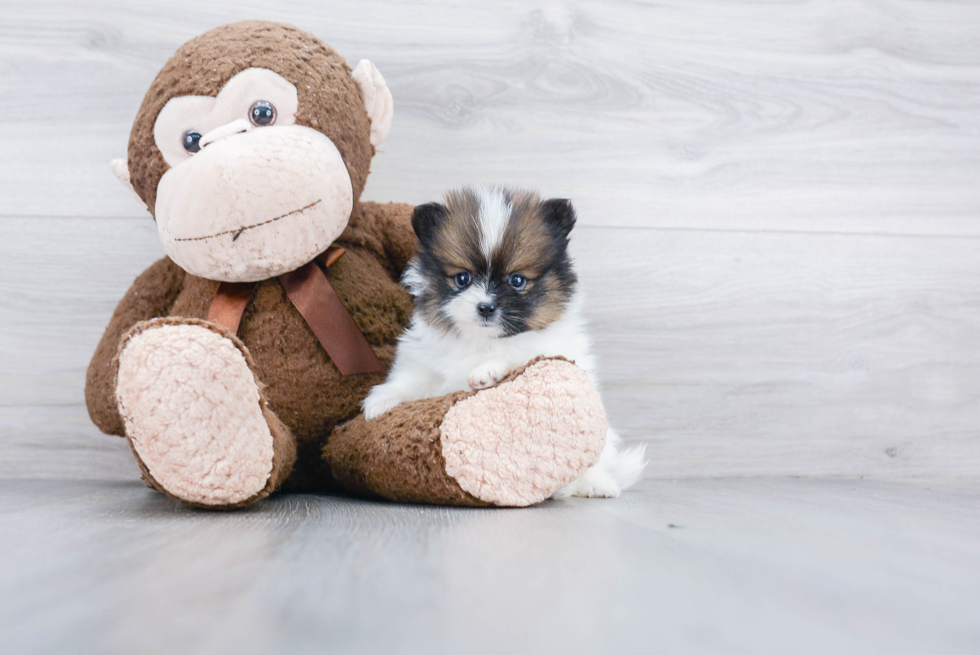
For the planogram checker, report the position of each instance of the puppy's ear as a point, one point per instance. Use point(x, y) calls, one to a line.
point(426, 220)
point(559, 214)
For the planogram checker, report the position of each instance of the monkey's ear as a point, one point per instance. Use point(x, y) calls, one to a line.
point(559, 213)
point(377, 99)
point(426, 220)
point(121, 169)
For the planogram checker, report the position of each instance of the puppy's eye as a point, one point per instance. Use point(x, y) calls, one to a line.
point(463, 279)
point(518, 281)
point(191, 140)
point(262, 113)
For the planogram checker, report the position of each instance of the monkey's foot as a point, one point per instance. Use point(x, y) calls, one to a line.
point(195, 417)
point(512, 445)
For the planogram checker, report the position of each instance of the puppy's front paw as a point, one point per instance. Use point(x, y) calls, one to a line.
point(594, 483)
point(487, 374)
point(381, 400)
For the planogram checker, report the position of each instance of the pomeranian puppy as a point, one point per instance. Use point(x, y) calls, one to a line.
point(494, 287)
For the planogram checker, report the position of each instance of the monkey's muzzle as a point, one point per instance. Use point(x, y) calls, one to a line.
point(254, 205)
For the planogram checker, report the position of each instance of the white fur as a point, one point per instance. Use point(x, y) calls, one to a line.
point(494, 215)
point(413, 280)
point(461, 310)
point(431, 362)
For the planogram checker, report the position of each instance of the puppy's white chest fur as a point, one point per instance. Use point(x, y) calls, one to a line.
point(459, 361)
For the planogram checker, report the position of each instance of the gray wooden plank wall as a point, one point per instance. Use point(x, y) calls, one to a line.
point(779, 207)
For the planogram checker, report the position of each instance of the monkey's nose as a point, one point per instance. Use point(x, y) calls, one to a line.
point(486, 309)
point(235, 127)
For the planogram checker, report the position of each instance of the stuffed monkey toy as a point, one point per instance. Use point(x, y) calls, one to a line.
point(236, 364)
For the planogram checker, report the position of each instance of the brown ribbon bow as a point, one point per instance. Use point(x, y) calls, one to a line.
point(310, 292)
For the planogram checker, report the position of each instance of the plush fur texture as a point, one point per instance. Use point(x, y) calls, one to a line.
point(378, 102)
point(519, 442)
point(302, 385)
point(195, 416)
point(491, 234)
point(226, 114)
point(207, 445)
point(202, 66)
point(398, 456)
point(218, 216)
point(250, 200)
point(455, 449)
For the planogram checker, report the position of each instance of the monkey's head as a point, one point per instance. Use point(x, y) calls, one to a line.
point(252, 146)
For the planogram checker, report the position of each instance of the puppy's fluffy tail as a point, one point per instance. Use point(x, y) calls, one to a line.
point(615, 471)
point(624, 465)
point(628, 466)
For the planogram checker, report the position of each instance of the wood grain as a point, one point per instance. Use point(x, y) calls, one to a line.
point(779, 228)
point(855, 116)
point(699, 566)
point(730, 353)
point(776, 202)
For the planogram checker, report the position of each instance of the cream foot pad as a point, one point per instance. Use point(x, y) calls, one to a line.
point(519, 442)
point(193, 413)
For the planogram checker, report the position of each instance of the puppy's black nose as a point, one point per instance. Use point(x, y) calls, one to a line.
point(486, 309)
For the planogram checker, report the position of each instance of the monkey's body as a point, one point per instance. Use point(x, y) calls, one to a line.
point(221, 418)
point(300, 382)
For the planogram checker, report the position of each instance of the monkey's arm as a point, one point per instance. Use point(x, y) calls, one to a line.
point(391, 223)
point(151, 296)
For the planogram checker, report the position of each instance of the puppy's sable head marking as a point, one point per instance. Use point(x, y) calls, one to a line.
point(492, 261)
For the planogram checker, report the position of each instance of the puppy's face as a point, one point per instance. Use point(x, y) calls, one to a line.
point(492, 262)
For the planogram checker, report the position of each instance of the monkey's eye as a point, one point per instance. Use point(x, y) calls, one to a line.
point(518, 281)
point(463, 279)
point(192, 141)
point(262, 113)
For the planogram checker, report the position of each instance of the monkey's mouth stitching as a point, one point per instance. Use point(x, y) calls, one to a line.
point(237, 232)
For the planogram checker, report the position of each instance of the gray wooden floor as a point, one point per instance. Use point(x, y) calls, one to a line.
point(780, 242)
point(725, 566)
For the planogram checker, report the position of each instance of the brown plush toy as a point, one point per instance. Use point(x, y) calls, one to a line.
point(237, 363)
